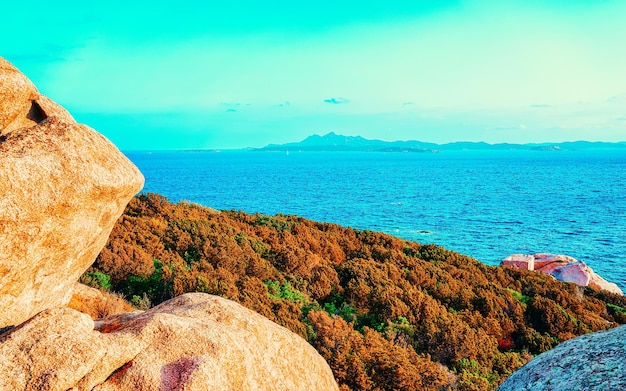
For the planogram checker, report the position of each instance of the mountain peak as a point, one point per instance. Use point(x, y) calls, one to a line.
point(332, 141)
point(332, 138)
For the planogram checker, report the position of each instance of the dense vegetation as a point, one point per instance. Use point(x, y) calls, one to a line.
point(385, 313)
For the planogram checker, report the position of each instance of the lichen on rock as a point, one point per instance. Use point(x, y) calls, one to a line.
point(595, 361)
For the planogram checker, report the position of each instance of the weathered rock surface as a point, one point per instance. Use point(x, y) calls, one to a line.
point(563, 268)
point(63, 186)
point(193, 342)
point(594, 361)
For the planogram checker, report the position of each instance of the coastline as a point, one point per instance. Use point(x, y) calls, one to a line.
point(484, 205)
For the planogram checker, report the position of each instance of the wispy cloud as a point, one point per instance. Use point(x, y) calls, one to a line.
point(617, 98)
point(337, 101)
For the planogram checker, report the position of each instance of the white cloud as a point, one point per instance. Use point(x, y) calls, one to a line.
point(337, 101)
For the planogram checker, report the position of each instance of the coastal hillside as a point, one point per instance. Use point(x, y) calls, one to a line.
point(387, 314)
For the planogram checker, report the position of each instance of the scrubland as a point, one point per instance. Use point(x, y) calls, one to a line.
point(387, 314)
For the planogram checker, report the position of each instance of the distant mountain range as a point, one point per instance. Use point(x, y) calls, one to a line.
point(336, 142)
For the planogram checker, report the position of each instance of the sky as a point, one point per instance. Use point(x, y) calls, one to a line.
point(202, 74)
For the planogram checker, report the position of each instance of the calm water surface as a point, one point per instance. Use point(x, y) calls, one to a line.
point(483, 204)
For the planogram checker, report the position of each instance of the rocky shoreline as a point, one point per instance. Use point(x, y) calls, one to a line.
point(563, 268)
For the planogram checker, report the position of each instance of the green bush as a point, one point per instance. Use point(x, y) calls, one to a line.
point(97, 280)
point(519, 296)
point(616, 309)
point(141, 302)
point(156, 288)
point(283, 292)
point(275, 222)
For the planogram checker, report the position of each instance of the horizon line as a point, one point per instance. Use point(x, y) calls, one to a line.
point(253, 149)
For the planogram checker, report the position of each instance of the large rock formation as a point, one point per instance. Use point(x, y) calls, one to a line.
point(63, 186)
point(192, 342)
point(594, 361)
point(563, 268)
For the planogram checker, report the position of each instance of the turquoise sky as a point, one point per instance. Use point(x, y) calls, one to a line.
point(202, 74)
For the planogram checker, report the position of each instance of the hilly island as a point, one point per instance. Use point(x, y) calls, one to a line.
point(335, 142)
point(103, 289)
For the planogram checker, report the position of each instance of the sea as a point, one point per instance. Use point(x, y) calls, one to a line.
point(485, 204)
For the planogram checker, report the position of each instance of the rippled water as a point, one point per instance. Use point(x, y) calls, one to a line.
point(483, 204)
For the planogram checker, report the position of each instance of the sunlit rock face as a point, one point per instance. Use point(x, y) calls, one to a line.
point(194, 342)
point(594, 361)
point(62, 187)
point(563, 268)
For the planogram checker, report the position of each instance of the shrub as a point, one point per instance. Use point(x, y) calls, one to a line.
point(283, 292)
point(97, 280)
point(99, 304)
point(156, 288)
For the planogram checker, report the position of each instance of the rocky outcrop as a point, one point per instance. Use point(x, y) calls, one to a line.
point(192, 342)
point(63, 187)
point(594, 361)
point(563, 268)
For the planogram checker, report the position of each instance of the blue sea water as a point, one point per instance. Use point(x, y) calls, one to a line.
point(485, 204)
